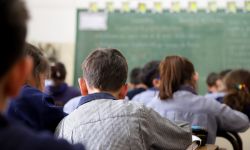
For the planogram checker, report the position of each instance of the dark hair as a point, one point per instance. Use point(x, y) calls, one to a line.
point(174, 72)
point(40, 63)
point(212, 78)
point(136, 76)
point(58, 71)
point(224, 73)
point(13, 18)
point(105, 69)
point(150, 72)
point(237, 84)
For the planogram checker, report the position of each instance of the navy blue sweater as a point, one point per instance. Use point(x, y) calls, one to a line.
point(35, 109)
point(17, 137)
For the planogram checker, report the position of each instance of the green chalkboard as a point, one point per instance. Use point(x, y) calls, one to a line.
point(213, 42)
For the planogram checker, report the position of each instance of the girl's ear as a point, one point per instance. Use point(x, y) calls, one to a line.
point(83, 86)
point(195, 79)
point(196, 76)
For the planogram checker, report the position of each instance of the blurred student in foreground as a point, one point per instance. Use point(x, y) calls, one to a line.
point(32, 107)
point(237, 85)
point(104, 120)
point(214, 84)
point(151, 79)
point(136, 83)
point(14, 68)
point(178, 100)
point(60, 90)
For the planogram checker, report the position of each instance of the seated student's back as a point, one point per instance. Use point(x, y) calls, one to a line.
point(104, 120)
point(59, 89)
point(13, 73)
point(178, 100)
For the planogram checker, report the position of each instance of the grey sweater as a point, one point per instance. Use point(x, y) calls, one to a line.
point(121, 125)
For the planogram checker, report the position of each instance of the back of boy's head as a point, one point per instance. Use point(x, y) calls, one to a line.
point(224, 73)
point(135, 76)
point(105, 69)
point(212, 79)
point(150, 72)
point(237, 84)
point(58, 71)
point(13, 18)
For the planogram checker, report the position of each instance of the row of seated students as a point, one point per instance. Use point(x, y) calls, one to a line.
point(177, 98)
point(103, 119)
point(108, 123)
point(231, 87)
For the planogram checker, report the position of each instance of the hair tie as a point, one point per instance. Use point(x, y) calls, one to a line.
point(242, 87)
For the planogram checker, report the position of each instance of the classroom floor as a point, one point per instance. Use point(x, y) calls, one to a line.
point(222, 143)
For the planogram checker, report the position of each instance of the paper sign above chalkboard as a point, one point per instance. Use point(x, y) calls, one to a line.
point(93, 21)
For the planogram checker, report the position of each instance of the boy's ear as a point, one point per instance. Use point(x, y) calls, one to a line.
point(17, 76)
point(123, 91)
point(83, 86)
point(156, 83)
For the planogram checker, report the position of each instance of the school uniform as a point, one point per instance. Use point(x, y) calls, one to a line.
point(71, 105)
point(246, 111)
point(146, 96)
point(62, 93)
point(35, 110)
point(102, 122)
point(17, 137)
point(216, 96)
point(134, 92)
point(186, 105)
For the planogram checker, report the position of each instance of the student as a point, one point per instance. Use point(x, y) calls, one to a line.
point(223, 74)
point(13, 71)
point(178, 100)
point(32, 107)
point(59, 90)
point(237, 85)
point(136, 83)
point(151, 80)
point(213, 85)
point(212, 82)
point(104, 120)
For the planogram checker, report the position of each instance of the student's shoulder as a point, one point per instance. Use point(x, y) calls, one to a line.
point(209, 105)
point(30, 89)
point(73, 90)
point(21, 138)
point(136, 108)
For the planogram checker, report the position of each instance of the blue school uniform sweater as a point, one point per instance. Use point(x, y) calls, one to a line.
point(17, 137)
point(35, 109)
point(62, 93)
